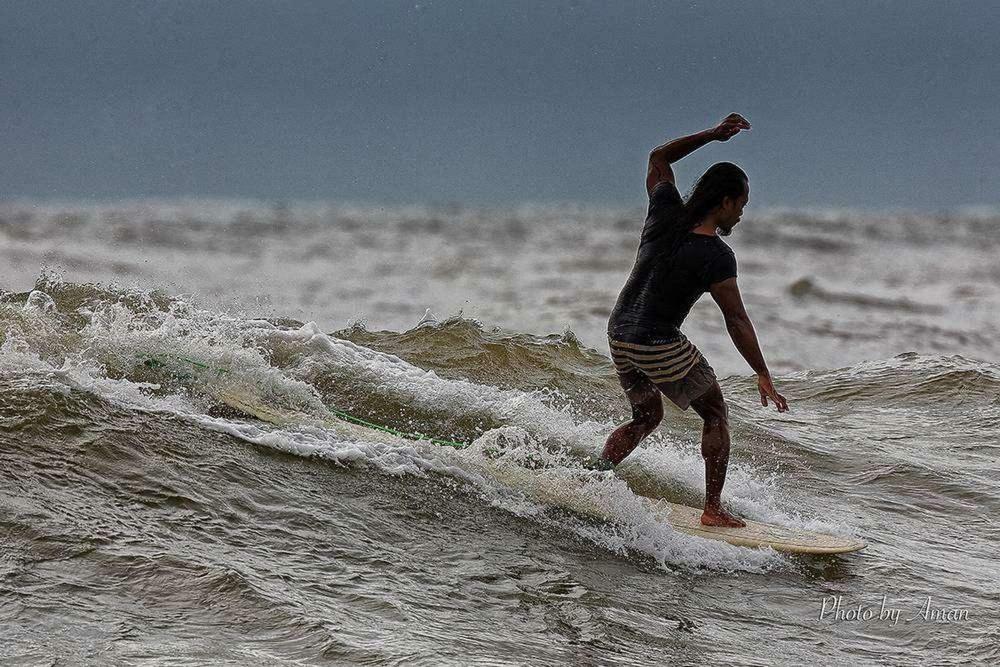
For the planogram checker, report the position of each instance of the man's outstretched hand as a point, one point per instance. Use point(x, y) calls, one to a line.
point(767, 391)
point(730, 127)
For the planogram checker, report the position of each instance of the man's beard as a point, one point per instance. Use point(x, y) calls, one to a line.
point(724, 231)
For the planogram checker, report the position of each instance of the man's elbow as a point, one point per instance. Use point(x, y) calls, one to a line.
point(737, 322)
point(658, 156)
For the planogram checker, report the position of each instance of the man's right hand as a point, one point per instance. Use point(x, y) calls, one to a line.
point(767, 391)
point(730, 127)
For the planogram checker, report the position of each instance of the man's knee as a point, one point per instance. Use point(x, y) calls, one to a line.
point(715, 439)
point(648, 413)
point(711, 407)
point(717, 417)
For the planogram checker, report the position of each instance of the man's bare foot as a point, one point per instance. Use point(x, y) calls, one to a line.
point(716, 516)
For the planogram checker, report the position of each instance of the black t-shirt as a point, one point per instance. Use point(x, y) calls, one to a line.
point(665, 282)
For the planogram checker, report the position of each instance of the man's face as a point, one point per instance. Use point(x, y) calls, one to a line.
point(731, 211)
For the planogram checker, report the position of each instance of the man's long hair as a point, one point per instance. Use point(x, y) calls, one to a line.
point(722, 179)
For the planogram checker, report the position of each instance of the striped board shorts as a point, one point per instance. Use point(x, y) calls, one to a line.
point(676, 367)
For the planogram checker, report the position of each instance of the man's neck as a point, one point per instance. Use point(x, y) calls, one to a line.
point(707, 227)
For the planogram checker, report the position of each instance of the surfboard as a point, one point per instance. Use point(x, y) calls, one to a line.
point(538, 485)
point(562, 492)
point(756, 534)
point(253, 407)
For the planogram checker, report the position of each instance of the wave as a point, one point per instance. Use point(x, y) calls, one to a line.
point(237, 226)
point(909, 379)
point(92, 366)
point(74, 354)
point(807, 288)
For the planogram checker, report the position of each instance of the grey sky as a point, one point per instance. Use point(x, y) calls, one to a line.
point(863, 104)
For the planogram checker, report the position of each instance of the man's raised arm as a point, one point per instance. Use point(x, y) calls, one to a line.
point(661, 157)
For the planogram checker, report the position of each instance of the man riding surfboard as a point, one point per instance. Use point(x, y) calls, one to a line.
point(680, 257)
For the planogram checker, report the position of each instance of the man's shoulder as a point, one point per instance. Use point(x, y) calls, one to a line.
point(713, 241)
point(723, 246)
point(665, 208)
point(705, 248)
point(665, 192)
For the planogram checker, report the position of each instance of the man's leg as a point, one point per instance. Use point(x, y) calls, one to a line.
point(647, 411)
point(711, 406)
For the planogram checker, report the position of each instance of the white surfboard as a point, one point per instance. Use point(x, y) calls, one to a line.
point(254, 407)
point(558, 492)
point(563, 492)
point(756, 534)
point(251, 405)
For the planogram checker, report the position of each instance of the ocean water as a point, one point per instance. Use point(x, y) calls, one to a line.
point(144, 521)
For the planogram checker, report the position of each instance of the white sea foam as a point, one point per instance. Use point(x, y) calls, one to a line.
point(618, 520)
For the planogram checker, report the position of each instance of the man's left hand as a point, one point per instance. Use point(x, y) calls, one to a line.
point(767, 391)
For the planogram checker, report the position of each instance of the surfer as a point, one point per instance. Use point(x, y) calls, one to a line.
point(680, 257)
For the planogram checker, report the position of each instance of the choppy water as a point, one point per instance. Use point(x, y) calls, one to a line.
point(140, 519)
